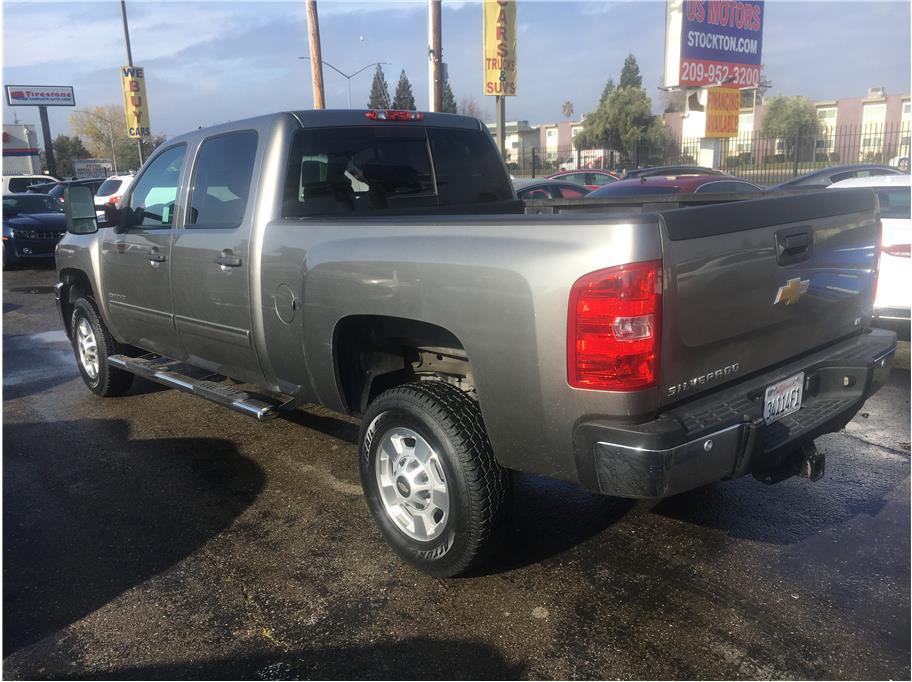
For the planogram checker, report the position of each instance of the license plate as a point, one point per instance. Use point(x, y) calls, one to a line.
point(783, 398)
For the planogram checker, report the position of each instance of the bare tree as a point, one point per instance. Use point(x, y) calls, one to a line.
point(469, 106)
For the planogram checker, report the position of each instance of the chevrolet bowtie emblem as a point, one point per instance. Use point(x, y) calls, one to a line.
point(792, 291)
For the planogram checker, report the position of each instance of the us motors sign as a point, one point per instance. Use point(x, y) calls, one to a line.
point(40, 95)
point(713, 42)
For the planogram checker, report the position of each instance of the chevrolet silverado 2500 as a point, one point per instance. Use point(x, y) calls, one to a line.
point(378, 263)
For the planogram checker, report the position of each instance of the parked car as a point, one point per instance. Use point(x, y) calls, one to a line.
point(13, 184)
point(57, 189)
point(41, 187)
point(590, 179)
point(684, 184)
point(379, 264)
point(894, 192)
point(548, 189)
point(111, 191)
point(823, 178)
point(32, 226)
point(670, 170)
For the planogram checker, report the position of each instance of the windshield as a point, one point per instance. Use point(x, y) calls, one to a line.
point(108, 187)
point(31, 203)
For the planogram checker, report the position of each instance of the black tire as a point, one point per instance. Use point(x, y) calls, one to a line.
point(108, 381)
point(479, 489)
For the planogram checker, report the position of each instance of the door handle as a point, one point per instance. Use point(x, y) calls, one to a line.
point(227, 259)
point(155, 255)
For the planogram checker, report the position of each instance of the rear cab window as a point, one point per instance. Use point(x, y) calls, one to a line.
point(389, 169)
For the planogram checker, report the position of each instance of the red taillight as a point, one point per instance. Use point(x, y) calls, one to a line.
point(898, 250)
point(613, 324)
point(394, 115)
point(115, 201)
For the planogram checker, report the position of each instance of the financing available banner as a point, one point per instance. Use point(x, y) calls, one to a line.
point(500, 47)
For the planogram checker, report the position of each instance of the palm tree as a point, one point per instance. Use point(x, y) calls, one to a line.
point(568, 109)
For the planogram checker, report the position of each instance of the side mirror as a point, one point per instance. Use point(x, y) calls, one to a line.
point(79, 206)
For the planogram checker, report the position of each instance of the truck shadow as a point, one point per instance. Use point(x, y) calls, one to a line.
point(412, 658)
point(89, 512)
point(550, 518)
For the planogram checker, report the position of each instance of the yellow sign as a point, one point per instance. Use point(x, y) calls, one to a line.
point(136, 104)
point(500, 47)
point(723, 105)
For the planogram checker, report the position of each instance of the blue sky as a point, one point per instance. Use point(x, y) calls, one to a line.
point(209, 62)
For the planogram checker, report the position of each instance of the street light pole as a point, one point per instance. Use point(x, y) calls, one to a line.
point(346, 76)
point(110, 134)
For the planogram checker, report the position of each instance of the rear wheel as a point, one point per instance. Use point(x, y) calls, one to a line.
point(430, 478)
point(93, 344)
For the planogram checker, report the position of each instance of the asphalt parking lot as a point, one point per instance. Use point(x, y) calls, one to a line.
point(157, 535)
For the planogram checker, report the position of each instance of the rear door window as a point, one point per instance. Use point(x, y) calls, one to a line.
point(598, 179)
point(221, 180)
point(571, 193)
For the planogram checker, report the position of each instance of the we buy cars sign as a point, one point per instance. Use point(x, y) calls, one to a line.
point(714, 42)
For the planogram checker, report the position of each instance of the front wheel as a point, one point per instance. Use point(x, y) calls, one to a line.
point(93, 344)
point(430, 478)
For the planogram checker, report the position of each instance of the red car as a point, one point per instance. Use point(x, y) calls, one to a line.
point(589, 178)
point(671, 184)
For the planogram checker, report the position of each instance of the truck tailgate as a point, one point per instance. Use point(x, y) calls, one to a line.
point(750, 285)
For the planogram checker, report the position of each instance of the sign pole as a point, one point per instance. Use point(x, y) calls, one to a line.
point(435, 55)
point(48, 144)
point(501, 122)
point(126, 28)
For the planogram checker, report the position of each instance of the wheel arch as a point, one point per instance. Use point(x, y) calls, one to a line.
point(76, 284)
point(372, 353)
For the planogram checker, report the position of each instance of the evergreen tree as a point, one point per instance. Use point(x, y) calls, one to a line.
point(610, 87)
point(449, 99)
point(630, 74)
point(379, 94)
point(404, 98)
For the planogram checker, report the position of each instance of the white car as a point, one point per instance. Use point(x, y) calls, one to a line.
point(13, 184)
point(111, 191)
point(894, 300)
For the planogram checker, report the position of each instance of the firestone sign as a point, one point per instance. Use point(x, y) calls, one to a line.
point(713, 42)
point(40, 95)
point(500, 47)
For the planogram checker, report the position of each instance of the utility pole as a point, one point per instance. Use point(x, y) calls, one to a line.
point(435, 56)
point(316, 55)
point(126, 28)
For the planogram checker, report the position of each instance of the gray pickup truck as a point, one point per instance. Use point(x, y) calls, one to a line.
point(378, 263)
